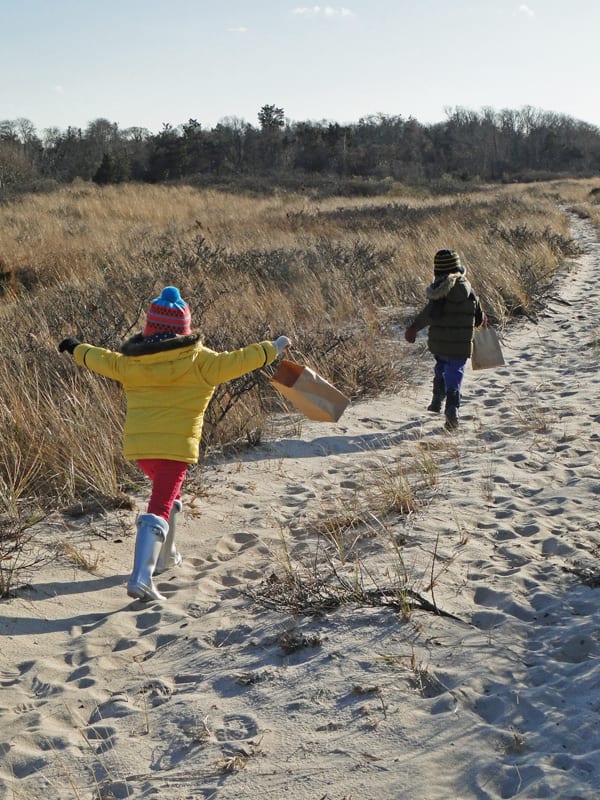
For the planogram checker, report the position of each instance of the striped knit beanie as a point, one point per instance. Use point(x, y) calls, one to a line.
point(168, 314)
point(446, 261)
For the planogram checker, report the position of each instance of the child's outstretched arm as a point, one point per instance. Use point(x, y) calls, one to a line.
point(97, 359)
point(218, 368)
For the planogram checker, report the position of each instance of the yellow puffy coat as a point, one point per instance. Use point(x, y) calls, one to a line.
point(168, 386)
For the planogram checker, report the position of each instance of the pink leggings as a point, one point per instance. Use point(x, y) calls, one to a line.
point(167, 477)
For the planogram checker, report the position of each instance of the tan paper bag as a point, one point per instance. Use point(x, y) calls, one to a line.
point(311, 394)
point(487, 352)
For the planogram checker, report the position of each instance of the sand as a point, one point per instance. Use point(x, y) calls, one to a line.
point(281, 666)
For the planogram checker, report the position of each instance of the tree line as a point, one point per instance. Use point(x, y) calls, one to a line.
point(485, 145)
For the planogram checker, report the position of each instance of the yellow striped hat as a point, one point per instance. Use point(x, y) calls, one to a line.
point(447, 261)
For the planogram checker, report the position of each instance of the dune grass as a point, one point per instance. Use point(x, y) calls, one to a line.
point(341, 276)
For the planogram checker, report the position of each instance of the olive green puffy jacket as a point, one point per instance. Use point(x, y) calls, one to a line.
point(168, 386)
point(452, 312)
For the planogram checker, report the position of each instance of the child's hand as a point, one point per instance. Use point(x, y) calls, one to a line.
point(282, 344)
point(410, 334)
point(69, 344)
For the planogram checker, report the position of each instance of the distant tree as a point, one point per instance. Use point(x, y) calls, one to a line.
point(271, 118)
point(112, 169)
point(102, 133)
point(66, 157)
point(230, 140)
point(311, 152)
point(26, 130)
point(8, 131)
point(104, 173)
point(195, 151)
point(101, 136)
point(166, 159)
point(135, 134)
point(16, 170)
point(270, 143)
point(22, 134)
point(135, 145)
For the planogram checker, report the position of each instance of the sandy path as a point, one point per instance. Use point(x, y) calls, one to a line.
point(212, 695)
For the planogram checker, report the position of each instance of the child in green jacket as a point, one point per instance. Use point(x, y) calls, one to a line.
point(169, 377)
point(452, 313)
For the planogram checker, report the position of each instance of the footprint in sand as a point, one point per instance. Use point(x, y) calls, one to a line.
point(505, 534)
point(117, 705)
point(575, 649)
point(123, 644)
point(297, 496)
point(491, 709)
point(105, 735)
point(515, 558)
point(236, 727)
point(484, 596)
point(552, 546)
point(350, 484)
point(226, 637)
point(227, 549)
point(488, 620)
point(148, 621)
point(82, 675)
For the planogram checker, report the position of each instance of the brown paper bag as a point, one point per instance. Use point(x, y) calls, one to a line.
point(311, 394)
point(487, 352)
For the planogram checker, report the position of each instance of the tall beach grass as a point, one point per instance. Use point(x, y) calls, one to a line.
point(341, 276)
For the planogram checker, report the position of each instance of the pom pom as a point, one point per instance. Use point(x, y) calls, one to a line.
point(170, 294)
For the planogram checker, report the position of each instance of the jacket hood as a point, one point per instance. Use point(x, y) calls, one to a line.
point(442, 286)
point(160, 363)
point(138, 346)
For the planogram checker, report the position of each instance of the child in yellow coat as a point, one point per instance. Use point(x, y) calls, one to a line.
point(169, 377)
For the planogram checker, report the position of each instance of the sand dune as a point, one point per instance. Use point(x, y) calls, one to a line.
point(227, 691)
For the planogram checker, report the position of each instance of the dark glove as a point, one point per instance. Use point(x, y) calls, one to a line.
point(410, 334)
point(69, 344)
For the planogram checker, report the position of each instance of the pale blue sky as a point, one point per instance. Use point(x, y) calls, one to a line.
point(149, 62)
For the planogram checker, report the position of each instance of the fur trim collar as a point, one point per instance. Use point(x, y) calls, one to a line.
point(442, 286)
point(136, 346)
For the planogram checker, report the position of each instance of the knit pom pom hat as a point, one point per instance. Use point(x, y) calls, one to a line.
point(446, 261)
point(168, 314)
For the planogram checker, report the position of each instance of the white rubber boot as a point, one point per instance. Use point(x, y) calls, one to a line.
point(169, 556)
point(151, 534)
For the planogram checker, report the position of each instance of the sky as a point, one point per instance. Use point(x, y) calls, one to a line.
point(147, 63)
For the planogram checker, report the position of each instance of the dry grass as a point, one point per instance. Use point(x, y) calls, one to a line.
point(355, 552)
point(20, 551)
point(339, 275)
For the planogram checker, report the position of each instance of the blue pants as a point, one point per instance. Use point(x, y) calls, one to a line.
point(451, 371)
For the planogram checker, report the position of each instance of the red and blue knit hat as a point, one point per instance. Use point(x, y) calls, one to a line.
point(168, 314)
